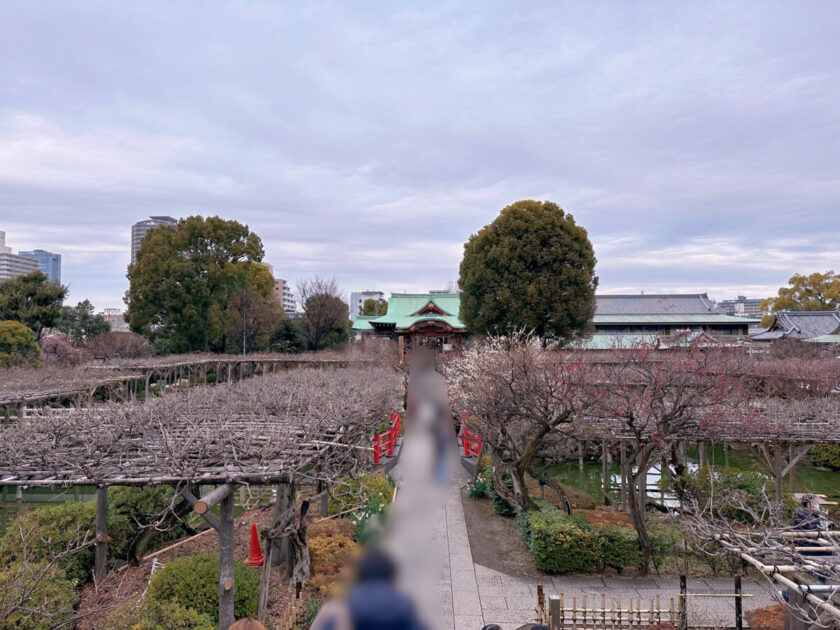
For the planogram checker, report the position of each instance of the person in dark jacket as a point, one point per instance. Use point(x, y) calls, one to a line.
point(373, 603)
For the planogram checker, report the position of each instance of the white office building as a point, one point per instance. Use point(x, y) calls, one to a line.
point(12, 265)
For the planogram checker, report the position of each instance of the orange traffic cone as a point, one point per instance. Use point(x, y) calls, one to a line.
point(255, 557)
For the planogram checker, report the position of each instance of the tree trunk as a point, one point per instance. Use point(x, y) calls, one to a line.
point(520, 490)
point(638, 517)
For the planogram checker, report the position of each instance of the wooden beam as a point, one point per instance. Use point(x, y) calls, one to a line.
point(226, 560)
point(209, 518)
point(212, 499)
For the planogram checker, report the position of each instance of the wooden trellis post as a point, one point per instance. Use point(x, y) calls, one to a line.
point(226, 560)
point(101, 544)
point(223, 497)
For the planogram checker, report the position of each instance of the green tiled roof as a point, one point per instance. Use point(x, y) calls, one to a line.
point(687, 318)
point(601, 341)
point(403, 308)
point(362, 322)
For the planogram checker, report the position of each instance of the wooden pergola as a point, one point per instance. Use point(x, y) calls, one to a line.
point(311, 424)
point(123, 380)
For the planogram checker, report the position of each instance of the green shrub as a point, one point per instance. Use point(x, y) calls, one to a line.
point(53, 529)
point(825, 456)
point(51, 599)
point(193, 582)
point(368, 497)
point(152, 615)
point(352, 493)
point(482, 485)
point(139, 507)
point(618, 547)
point(557, 543)
point(754, 486)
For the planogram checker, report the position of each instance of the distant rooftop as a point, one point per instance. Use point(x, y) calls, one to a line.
point(687, 308)
point(801, 325)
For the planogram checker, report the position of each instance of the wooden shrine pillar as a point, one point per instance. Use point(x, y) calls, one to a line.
point(226, 560)
point(702, 449)
point(101, 544)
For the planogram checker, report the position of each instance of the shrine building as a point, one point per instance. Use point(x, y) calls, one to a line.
point(417, 320)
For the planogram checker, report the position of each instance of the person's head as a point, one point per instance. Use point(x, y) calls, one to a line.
point(247, 624)
point(376, 566)
point(808, 501)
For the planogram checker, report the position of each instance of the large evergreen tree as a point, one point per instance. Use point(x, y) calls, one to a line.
point(32, 300)
point(531, 269)
point(184, 279)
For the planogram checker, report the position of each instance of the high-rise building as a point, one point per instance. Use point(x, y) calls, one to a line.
point(283, 294)
point(139, 229)
point(49, 263)
point(742, 307)
point(357, 300)
point(12, 265)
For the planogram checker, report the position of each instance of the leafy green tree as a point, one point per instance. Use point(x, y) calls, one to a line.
point(374, 307)
point(532, 268)
point(32, 300)
point(17, 345)
point(184, 279)
point(814, 292)
point(287, 336)
point(81, 322)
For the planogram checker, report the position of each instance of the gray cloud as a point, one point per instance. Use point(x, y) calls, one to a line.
point(699, 145)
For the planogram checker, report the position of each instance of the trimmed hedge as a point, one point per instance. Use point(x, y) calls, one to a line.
point(152, 615)
point(193, 582)
point(619, 547)
point(557, 544)
point(560, 543)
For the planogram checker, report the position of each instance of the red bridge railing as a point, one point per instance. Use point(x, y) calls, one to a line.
point(385, 442)
point(472, 442)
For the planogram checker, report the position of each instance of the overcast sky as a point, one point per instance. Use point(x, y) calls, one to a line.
point(698, 143)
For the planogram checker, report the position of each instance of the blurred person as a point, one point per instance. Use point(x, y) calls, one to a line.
point(373, 602)
point(806, 517)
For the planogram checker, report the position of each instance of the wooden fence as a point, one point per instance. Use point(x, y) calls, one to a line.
point(560, 612)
